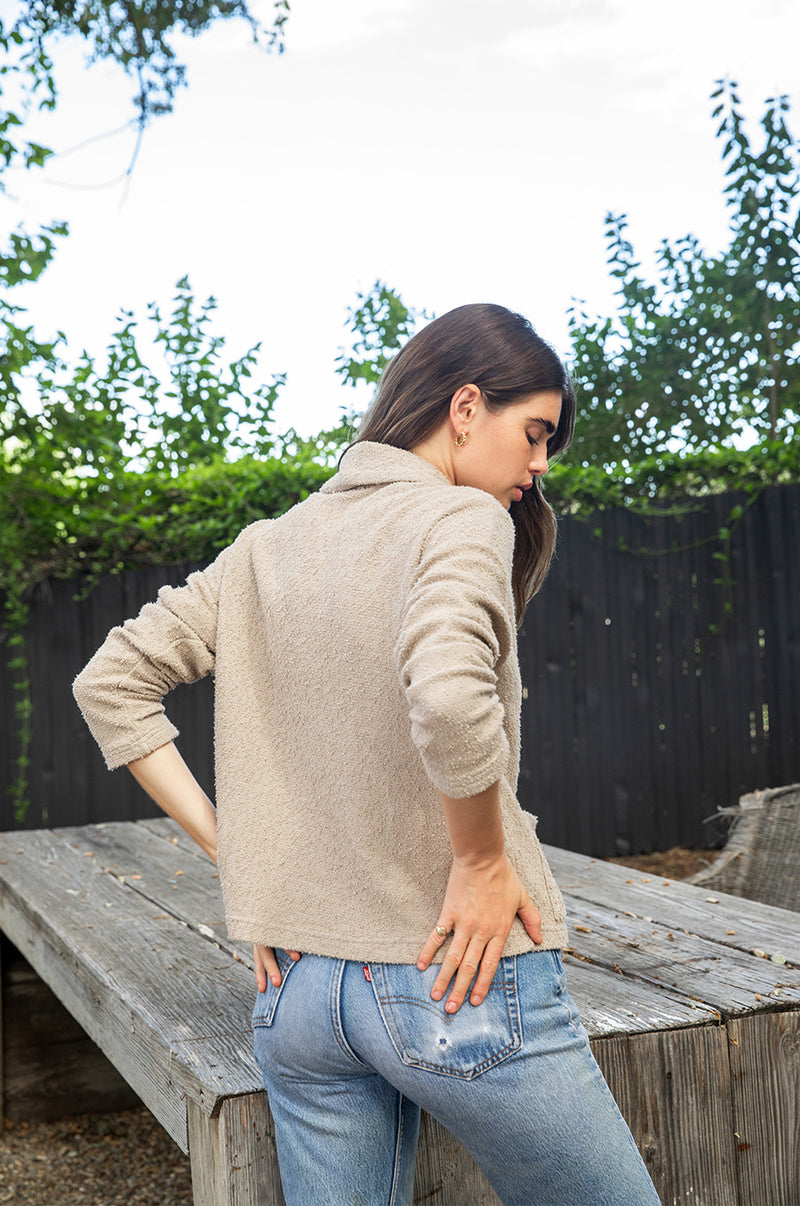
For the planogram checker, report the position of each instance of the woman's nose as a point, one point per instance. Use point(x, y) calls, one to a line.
point(538, 462)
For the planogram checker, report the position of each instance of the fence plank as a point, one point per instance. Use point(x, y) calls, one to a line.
point(629, 634)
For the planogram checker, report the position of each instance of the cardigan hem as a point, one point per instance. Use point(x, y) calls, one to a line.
point(356, 950)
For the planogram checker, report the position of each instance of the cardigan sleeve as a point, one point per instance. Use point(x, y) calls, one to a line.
point(457, 625)
point(171, 641)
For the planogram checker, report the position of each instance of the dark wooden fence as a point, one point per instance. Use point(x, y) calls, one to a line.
point(662, 680)
point(662, 668)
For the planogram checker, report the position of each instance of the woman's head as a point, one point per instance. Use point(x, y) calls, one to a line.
point(421, 397)
point(485, 345)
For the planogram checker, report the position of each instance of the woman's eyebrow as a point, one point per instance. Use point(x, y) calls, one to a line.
point(546, 424)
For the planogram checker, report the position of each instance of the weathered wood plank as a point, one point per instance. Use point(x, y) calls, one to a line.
point(233, 1154)
point(613, 1004)
point(728, 980)
point(111, 940)
point(135, 985)
point(743, 925)
point(173, 874)
point(673, 1089)
point(765, 1073)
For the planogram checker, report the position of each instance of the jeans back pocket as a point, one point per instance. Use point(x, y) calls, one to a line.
point(463, 1044)
point(267, 1001)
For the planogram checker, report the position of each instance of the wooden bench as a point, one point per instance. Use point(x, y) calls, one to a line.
point(698, 1036)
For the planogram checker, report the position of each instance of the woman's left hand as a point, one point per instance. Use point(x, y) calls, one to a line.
point(267, 965)
point(479, 908)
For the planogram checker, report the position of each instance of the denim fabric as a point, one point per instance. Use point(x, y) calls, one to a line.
point(350, 1052)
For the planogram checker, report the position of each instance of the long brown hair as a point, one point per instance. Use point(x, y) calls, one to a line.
point(499, 352)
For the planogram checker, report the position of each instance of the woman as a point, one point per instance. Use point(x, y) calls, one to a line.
point(406, 927)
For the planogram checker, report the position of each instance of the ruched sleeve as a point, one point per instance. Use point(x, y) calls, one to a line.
point(171, 641)
point(457, 625)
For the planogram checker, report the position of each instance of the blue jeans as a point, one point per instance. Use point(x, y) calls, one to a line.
point(350, 1052)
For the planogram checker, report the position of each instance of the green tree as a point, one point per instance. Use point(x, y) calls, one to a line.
point(380, 323)
point(137, 35)
point(25, 72)
point(104, 466)
point(710, 351)
point(189, 409)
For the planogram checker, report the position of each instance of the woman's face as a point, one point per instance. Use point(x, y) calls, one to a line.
point(507, 448)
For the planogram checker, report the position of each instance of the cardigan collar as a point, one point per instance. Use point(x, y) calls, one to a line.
point(369, 464)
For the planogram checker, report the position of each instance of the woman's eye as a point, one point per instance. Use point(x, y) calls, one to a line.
point(533, 443)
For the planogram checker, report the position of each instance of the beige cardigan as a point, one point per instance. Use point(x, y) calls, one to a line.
point(364, 652)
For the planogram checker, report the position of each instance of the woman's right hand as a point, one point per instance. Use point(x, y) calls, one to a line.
point(267, 965)
point(480, 904)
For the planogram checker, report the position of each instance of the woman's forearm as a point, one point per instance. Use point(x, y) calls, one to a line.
point(167, 779)
point(475, 827)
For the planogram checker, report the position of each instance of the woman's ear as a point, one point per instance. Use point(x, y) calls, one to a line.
point(463, 406)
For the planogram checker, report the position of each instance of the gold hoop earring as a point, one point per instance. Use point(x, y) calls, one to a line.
point(461, 439)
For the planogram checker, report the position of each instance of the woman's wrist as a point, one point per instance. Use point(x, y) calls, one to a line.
point(475, 828)
point(481, 860)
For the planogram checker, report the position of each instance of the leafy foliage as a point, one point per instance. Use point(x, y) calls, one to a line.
point(670, 481)
point(710, 352)
point(138, 36)
point(381, 323)
point(70, 436)
point(70, 456)
point(25, 71)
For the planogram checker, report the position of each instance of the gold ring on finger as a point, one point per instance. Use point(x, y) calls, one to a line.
point(441, 931)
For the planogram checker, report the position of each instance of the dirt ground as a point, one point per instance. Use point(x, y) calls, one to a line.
point(678, 863)
point(124, 1159)
point(127, 1159)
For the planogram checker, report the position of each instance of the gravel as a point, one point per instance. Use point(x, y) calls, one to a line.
point(127, 1158)
point(124, 1159)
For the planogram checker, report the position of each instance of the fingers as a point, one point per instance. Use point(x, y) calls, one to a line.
point(463, 967)
point(531, 919)
point(437, 936)
point(260, 963)
point(266, 965)
point(489, 965)
point(480, 957)
point(450, 966)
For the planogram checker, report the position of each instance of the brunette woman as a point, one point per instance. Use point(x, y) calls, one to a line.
point(407, 929)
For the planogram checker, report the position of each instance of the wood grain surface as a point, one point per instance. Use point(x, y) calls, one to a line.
point(693, 1021)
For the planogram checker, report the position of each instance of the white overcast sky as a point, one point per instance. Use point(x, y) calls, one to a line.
point(460, 151)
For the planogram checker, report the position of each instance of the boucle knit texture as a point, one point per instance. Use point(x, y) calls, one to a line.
point(364, 652)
